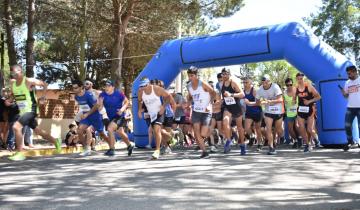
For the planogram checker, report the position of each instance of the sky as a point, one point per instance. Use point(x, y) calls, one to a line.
point(257, 13)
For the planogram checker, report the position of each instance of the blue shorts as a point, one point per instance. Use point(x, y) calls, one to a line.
point(96, 123)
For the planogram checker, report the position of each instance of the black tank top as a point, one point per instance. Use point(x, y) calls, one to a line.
point(305, 94)
point(231, 90)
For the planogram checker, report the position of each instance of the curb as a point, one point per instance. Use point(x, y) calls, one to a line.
point(65, 150)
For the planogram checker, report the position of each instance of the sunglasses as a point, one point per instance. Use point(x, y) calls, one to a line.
point(289, 85)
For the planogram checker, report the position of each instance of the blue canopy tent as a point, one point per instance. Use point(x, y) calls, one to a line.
point(292, 42)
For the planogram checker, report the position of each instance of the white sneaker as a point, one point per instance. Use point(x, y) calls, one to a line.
point(168, 150)
point(213, 149)
point(86, 152)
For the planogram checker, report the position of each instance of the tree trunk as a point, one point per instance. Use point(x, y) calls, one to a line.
point(30, 40)
point(82, 42)
point(8, 22)
point(120, 23)
point(2, 59)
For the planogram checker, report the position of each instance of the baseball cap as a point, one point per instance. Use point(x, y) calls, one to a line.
point(144, 81)
point(225, 70)
point(265, 77)
point(109, 82)
point(299, 74)
point(192, 70)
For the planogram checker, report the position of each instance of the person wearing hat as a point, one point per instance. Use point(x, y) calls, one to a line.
point(307, 95)
point(115, 103)
point(201, 94)
point(270, 95)
point(150, 95)
point(231, 94)
point(351, 91)
point(219, 82)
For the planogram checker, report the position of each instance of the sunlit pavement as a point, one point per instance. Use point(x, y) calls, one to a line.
point(323, 179)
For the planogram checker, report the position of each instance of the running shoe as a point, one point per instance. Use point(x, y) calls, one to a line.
point(272, 151)
point(17, 156)
point(317, 143)
point(242, 149)
point(227, 146)
point(307, 148)
point(167, 150)
point(58, 145)
point(110, 152)
point(346, 147)
point(213, 149)
point(86, 152)
point(259, 147)
point(130, 149)
point(155, 155)
point(204, 155)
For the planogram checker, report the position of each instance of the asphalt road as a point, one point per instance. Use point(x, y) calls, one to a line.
point(323, 179)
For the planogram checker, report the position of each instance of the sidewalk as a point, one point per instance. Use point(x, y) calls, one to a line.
point(42, 148)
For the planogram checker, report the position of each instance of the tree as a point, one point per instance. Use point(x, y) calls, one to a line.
point(8, 23)
point(338, 23)
point(30, 62)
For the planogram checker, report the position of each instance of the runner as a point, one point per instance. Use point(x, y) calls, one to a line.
point(201, 94)
point(90, 116)
point(291, 112)
point(270, 95)
point(23, 89)
point(307, 96)
point(115, 103)
point(231, 94)
point(150, 95)
point(352, 92)
point(216, 121)
point(253, 113)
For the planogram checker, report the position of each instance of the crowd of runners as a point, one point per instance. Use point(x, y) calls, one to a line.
point(208, 115)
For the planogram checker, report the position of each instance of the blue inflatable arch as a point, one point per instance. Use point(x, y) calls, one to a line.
point(292, 42)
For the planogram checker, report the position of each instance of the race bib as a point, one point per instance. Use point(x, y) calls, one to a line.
point(229, 100)
point(199, 109)
point(84, 108)
point(273, 109)
point(22, 104)
point(153, 117)
point(293, 109)
point(178, 118)
point(304, 109)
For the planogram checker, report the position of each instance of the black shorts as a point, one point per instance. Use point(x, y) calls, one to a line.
point(180, 120)
point(120, 122)
point(168, 122)
point(305, 116)
point(29, 119)
point(234, 110)
point(159, 120)
point(217, 116)
point(275, 117)
point(256, 117)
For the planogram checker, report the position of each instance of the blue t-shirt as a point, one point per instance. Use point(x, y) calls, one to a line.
point(113, 103)
point(86, 103)
point(168, 111)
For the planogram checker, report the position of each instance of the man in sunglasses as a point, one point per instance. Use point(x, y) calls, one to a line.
point(307, 96)
point(351, 91)
point(291, 112)
point(270, 95)
point(151, 96)
point(115, 103)
point(23, 90)
point(90, 116)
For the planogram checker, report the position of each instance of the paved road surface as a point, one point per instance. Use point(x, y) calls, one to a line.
point(324, 179)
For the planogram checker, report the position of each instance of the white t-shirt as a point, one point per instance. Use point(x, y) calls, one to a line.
point(270, 94)
point(352, 87)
